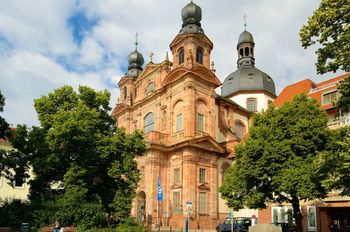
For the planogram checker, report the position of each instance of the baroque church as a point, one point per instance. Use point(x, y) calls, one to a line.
point(190, 130)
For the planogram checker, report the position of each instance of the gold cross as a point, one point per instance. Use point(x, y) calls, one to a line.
point(245, 21)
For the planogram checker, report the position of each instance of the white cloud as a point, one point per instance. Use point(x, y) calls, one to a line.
point(38, 52)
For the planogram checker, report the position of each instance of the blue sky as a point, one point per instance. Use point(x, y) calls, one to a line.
point(45, 44)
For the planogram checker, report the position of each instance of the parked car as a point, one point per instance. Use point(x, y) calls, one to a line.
point(239, 224)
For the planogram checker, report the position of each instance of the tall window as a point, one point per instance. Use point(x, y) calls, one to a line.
point(148, 122)
point(177, 175)
point(199, 56)
point(251, 104)
point(200, 122)
point(328, 98)
point(176, 202)
point(239, 129)
point(311, 218)
point(181, 56)
point(179, 123)
point(125, 92)
point(201, 175)
point(202, 203)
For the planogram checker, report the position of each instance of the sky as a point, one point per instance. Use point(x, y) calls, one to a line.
point(45, 44)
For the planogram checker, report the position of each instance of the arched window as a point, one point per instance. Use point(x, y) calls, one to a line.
point(241, 52)
point(125, 92)
point(150, 88)
point(148, 122)
point(239, 129)
point(199, 56)
point(181, 56)
point(246, 51)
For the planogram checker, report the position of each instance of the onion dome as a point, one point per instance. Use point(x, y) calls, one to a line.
point(191, 18)
point(245, 37)
point(136, 61)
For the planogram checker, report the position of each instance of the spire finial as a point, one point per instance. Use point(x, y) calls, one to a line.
point(245, 21)
point(166, 56)
point(191, 1)
point(151, 57)
point(136, 42)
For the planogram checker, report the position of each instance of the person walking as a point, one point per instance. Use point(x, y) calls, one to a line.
point(56, 227)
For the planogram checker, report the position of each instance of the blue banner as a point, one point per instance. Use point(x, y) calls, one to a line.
point(160, 191)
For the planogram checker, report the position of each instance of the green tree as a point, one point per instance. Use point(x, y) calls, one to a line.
point(334, 163)
point(4, 126)
point(276, 163)
point(343, 103)
point(83, 165)
point(329, 26)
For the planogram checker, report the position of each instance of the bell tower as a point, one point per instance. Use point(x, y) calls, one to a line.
point(191, 47)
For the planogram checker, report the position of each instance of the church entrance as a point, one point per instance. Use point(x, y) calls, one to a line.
point(340, 219)
point(141, 207)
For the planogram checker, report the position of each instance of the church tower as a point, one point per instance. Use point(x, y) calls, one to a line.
point(248, 86)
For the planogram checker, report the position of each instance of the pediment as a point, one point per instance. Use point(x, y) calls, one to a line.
point(197, 72)
point(204, 186)
point(209, 144)
point(176, 186)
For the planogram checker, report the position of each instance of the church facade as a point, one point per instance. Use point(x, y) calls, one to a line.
point(190, 129)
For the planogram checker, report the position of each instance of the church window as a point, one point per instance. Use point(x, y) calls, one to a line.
point(125, 92)
point(241, 52)
point(269, 102)
point(251, 104)
point(199, 56)
point(202, 175)
point(176, 203)
point(239, 129)
point(177, 175)
point(148, 122)
point(150, 88)
point(246, 51)
point(200, 122)
point(202, 203)
point(252, 51)
point(179, 123)
point(181, 56)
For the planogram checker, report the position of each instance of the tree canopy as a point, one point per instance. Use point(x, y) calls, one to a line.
point(329, 26)
point(343, 102)
point(276, 163)
point(83, 166)
point(334, 163)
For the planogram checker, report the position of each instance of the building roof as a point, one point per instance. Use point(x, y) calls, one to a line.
point(309, 88)
point(290, 91)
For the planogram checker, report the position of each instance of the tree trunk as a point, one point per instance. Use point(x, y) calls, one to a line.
point(297, 214)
